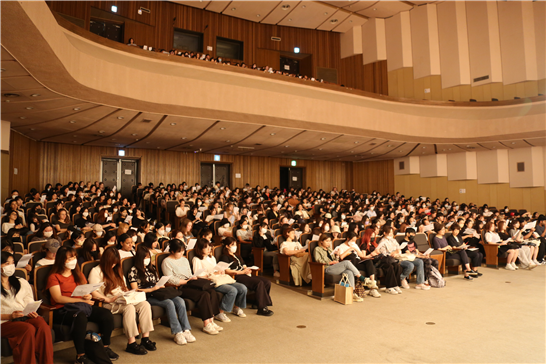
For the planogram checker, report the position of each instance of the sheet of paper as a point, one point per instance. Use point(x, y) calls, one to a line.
point(220, 266)
point(315, 238)
point(134, 228)
point(23, 261)
point(298, 234)
point(530, 225)
point(32, 307)
point(236, 210)
point(198, 215)
point(162, 281)
point(429, 250)
point(128, 219)
point(109, 218)
point(472, 249)
point(403, 245)
point(291, 221)
point(202, 208)
point(199, 272)
point(254, 268)
point(218, 217)
point(84, 289)
point(343, 224)
point(428, 227)
point(191, 244)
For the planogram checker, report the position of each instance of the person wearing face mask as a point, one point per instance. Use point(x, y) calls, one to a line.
point(299, 262)
point(225, 229)
point(46, 232)
point(324, 254)
point(29, 336)
point(383, 253)
point(242, 274)
point(84, 219)
point(160, 232)
point(50, 247)
point(127, 246)
point(143, 277)
point(109, 272)
point(244, 236)
point(262, 239)
point(151, 241)
point(196, 289)
point(76, 240)
point(186, 230)
point(110, 239)
point(63, 278)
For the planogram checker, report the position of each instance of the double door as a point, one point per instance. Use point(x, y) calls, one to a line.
point(215, 172)
point(122, 173)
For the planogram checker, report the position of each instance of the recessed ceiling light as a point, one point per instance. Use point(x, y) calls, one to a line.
point(513, 143)
point(295, 151)
point(227, 141)
point(75, 136)
point(183, 138)
point(350, 21)
point(449, 149)
point(326, 13)
point(374, 9)
point(32, 129)
point(285, 7)
point(158, 147)
point(257, 15)
point(322, 138)
point(101, 131)
point(7, 100)
point(72, 121)
point(372, 153)
point(35, 95)
point(29, 108)
point(303, 6)
point(424, 147)
point(333, 21)
point(76, 109)
point(272, 134)
point(22, 117)
point(468, 146)
point(286, 146)
point(494, 147)
point(357, 143)
point(401, 151)
point(320, 149)
point(289, 19)
point(120, 118)
point(173, 124)
point(423, 152)
point(352, 151)
point(191, 145)
point(222, 128)
point(147, 142)
point(233, 9)
point(113, 139)
point(443, 150)
point(134, 134)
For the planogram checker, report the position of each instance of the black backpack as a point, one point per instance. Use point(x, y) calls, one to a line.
point(96, 353)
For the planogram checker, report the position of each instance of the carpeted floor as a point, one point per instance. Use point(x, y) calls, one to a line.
point(498, 318)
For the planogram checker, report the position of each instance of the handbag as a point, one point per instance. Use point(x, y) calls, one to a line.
point(406, 256)
point(131, 298)
point(166, 293)
point(343, 292)
point(221, 279)
point(200, 283)
point(359, 289)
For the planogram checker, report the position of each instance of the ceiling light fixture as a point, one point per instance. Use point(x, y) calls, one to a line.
point(389, 146)
point(134, 134)
point(183, 138)
point(424, 147)
point(233, 9)
point(257, 15)
point(22, 117)
point(72, 121)
point(286, 146)
point(227, 141)
point(29, 108)
point(513, 143)
point(75, 136)
point(326, 13)
point(32, 129)
point(76, 109)
point(35, 95)
point(320, 149)
point(289, 19)
point(285, 7)
point(173, 124)
point(101, 131)
point(272, 134)
point(222, 128)
point(303, 6)
point(322, 138)
point(120, 118)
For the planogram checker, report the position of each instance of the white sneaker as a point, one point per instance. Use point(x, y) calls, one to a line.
point(509, 267)
point(531, 266)
point(209, 329)
point(309, 277)
point(374, 293)
point(238, 312)
point(189, 337)
point(276, 274)
point(180, 339)
point(222, 317)
point(535, 262)
point(405, 284)
point(423, 287)
point(217, 327)
point(391, 291)
point(357, 298)
point(398, 290)
point(515, 266)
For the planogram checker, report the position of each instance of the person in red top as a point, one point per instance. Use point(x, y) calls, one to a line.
point(64, 277)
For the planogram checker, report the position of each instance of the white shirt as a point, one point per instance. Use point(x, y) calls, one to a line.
point(182, 211)
point(244, 234)
point(95, 277)
point(125, 254)
point(17, 302)
point(44, 261)
point(290, 245)
point(492, 237)
point(208, 264)
point(341, 249)
point(6, 227)
point(388, 245)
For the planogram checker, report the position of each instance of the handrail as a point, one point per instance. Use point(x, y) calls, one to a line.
point(249, 72)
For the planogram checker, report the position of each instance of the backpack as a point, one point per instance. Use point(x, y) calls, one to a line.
point(95, 351)
point(435, 279)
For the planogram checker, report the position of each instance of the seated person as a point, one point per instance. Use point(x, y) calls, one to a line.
point(299, 262)
point(50, 247)
point(324, 254)
point(456, 241)
point(409, 236)
point(242, 274)
point(440, 243)
point(127, 246)
point(262, 239)
point(109, 272)
point(29, 336)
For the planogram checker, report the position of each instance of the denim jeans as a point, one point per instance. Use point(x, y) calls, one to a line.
point(234, 294)
point(346, 267)
point(407, 268)
point(176, 311)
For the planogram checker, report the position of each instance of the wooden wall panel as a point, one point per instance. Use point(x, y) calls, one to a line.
point(498, 195)
point(157, 29)
point(23, 155)
point(370, 176)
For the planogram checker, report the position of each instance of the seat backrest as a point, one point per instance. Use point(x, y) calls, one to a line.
point(337, 243)
point(399, 238)
point(36, 256)
point(277, 232)
point(87, 266)
point(75, 218)
point(420, 237)
point(171, 206)
point(21, 273)
point(17, 256)
point(304, 238)
point(312, 246)
point(35, 246)
point(218, 252)
point(18, 247)
point(159, 261)
point(344, 234)
point(190, 254)
point(41, 275)
point(215, 227)
point(126, 265)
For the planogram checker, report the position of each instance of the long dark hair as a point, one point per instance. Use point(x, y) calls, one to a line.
point(13, 280)
point(226, 243)
point(60, 259)
point(113, 277)
point(140, 255)
point(200, 247)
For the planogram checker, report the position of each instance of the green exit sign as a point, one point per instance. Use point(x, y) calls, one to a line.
point(293, 163)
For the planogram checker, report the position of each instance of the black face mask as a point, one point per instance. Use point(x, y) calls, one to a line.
point(411, 237)
point(95, 254)
point(16, 240)
point(372, 239)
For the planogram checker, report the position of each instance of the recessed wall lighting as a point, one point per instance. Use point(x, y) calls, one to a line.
point(29, 108)
point(173, 124)
point(272, 134)
point(120, 118)
point(134, 134)
point(222, 128)
point(22, 117)
point(72, 121)
point(35, 95)
point(114, 9)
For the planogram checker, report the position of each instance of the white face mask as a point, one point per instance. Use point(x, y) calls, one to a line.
point(233, 249)
point(85, 214)
point(80, 242)
point(168, 229)
point(245, 227)
point(48, 234)
point(99, 233)
point(226, 226)
point(264, 230)
point(326, 228)
point(8, 270)
point(134, 239)
point(13, 196)
point(343, 217)
point(111, 242)
point(71, 265)
point(147, 261)
point(161, 232)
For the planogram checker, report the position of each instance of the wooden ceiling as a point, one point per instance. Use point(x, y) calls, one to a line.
point(47, 116)
point(337, 16)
